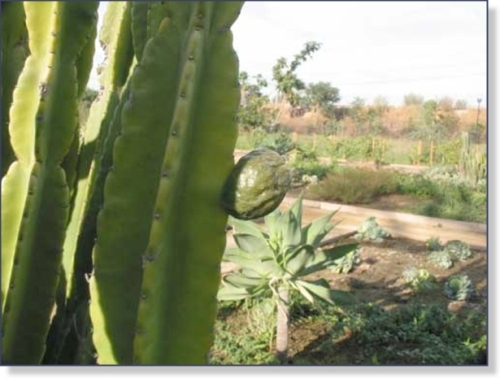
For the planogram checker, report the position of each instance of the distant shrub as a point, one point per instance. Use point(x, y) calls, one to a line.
point(354, 186)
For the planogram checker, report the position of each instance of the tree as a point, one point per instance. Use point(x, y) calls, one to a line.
point(322, 96)
point(288, 85)
point(252, 114)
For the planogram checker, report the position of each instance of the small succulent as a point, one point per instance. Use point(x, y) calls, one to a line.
point(441, 259)
point(419, 279)
point(458, 287)
point(346, 263)
point(370, 230)
point(433, 244)
point(458, 249)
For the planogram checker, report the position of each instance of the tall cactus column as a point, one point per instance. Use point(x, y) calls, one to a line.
point(161, 232)
point(35, 193)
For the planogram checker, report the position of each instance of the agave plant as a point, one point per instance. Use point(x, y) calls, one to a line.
point(275, 260)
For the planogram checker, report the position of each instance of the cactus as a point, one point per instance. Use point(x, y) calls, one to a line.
point(472, 163)
point(150, 221)
point(125, 196)
point(35, 191)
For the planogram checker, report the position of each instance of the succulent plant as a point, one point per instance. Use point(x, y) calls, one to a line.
point(346, 263)
point(419, 279)
point(440, 259)
point(370, 230)
point(459, 287)
point(434, 244)
point(458, 249)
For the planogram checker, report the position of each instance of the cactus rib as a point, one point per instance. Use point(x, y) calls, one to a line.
point(44, 118)
point(183, 153)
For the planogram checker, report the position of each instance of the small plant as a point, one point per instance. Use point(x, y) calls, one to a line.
point(347, 263)
point(441, 259)
point(458, 287)
point(273, 263)
point(458, 249)
point(419, 279)
point(370, 230)
point(434, 244)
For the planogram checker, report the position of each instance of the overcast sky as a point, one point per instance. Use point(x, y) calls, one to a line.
point(370, 49)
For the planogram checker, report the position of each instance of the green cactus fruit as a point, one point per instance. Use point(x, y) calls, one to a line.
point(257, 185)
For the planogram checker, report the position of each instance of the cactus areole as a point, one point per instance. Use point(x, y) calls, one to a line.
point(257, 185)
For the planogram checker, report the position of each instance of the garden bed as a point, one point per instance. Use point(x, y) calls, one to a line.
point(391, 323)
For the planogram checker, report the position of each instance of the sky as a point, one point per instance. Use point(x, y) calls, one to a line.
point(371, 48)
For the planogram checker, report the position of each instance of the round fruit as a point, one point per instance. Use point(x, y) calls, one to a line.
point(257, 185)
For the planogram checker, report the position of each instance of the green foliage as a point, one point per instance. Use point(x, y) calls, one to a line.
point(322, 96)
point(253, 114)
point(285, 76)
point(416, 335)
point(281, 143)
point(360, 148)
point(459, 287)
point(307, 169)
point(370, 230)
point(354, 186)
point(419, 279)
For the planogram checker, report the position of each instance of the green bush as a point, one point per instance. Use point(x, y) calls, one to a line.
point(354, 186)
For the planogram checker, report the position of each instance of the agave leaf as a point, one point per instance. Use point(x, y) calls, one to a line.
point(297, 259)
point(246, 227)
point(296, 209)
point(303, 291)
point(253, 244)
point(342, 297)
point(317, 290)
point(290, 230)
point(241, 281)
point(231, 293)
point(315, 231)
point(323, 259)
point(271, 220)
